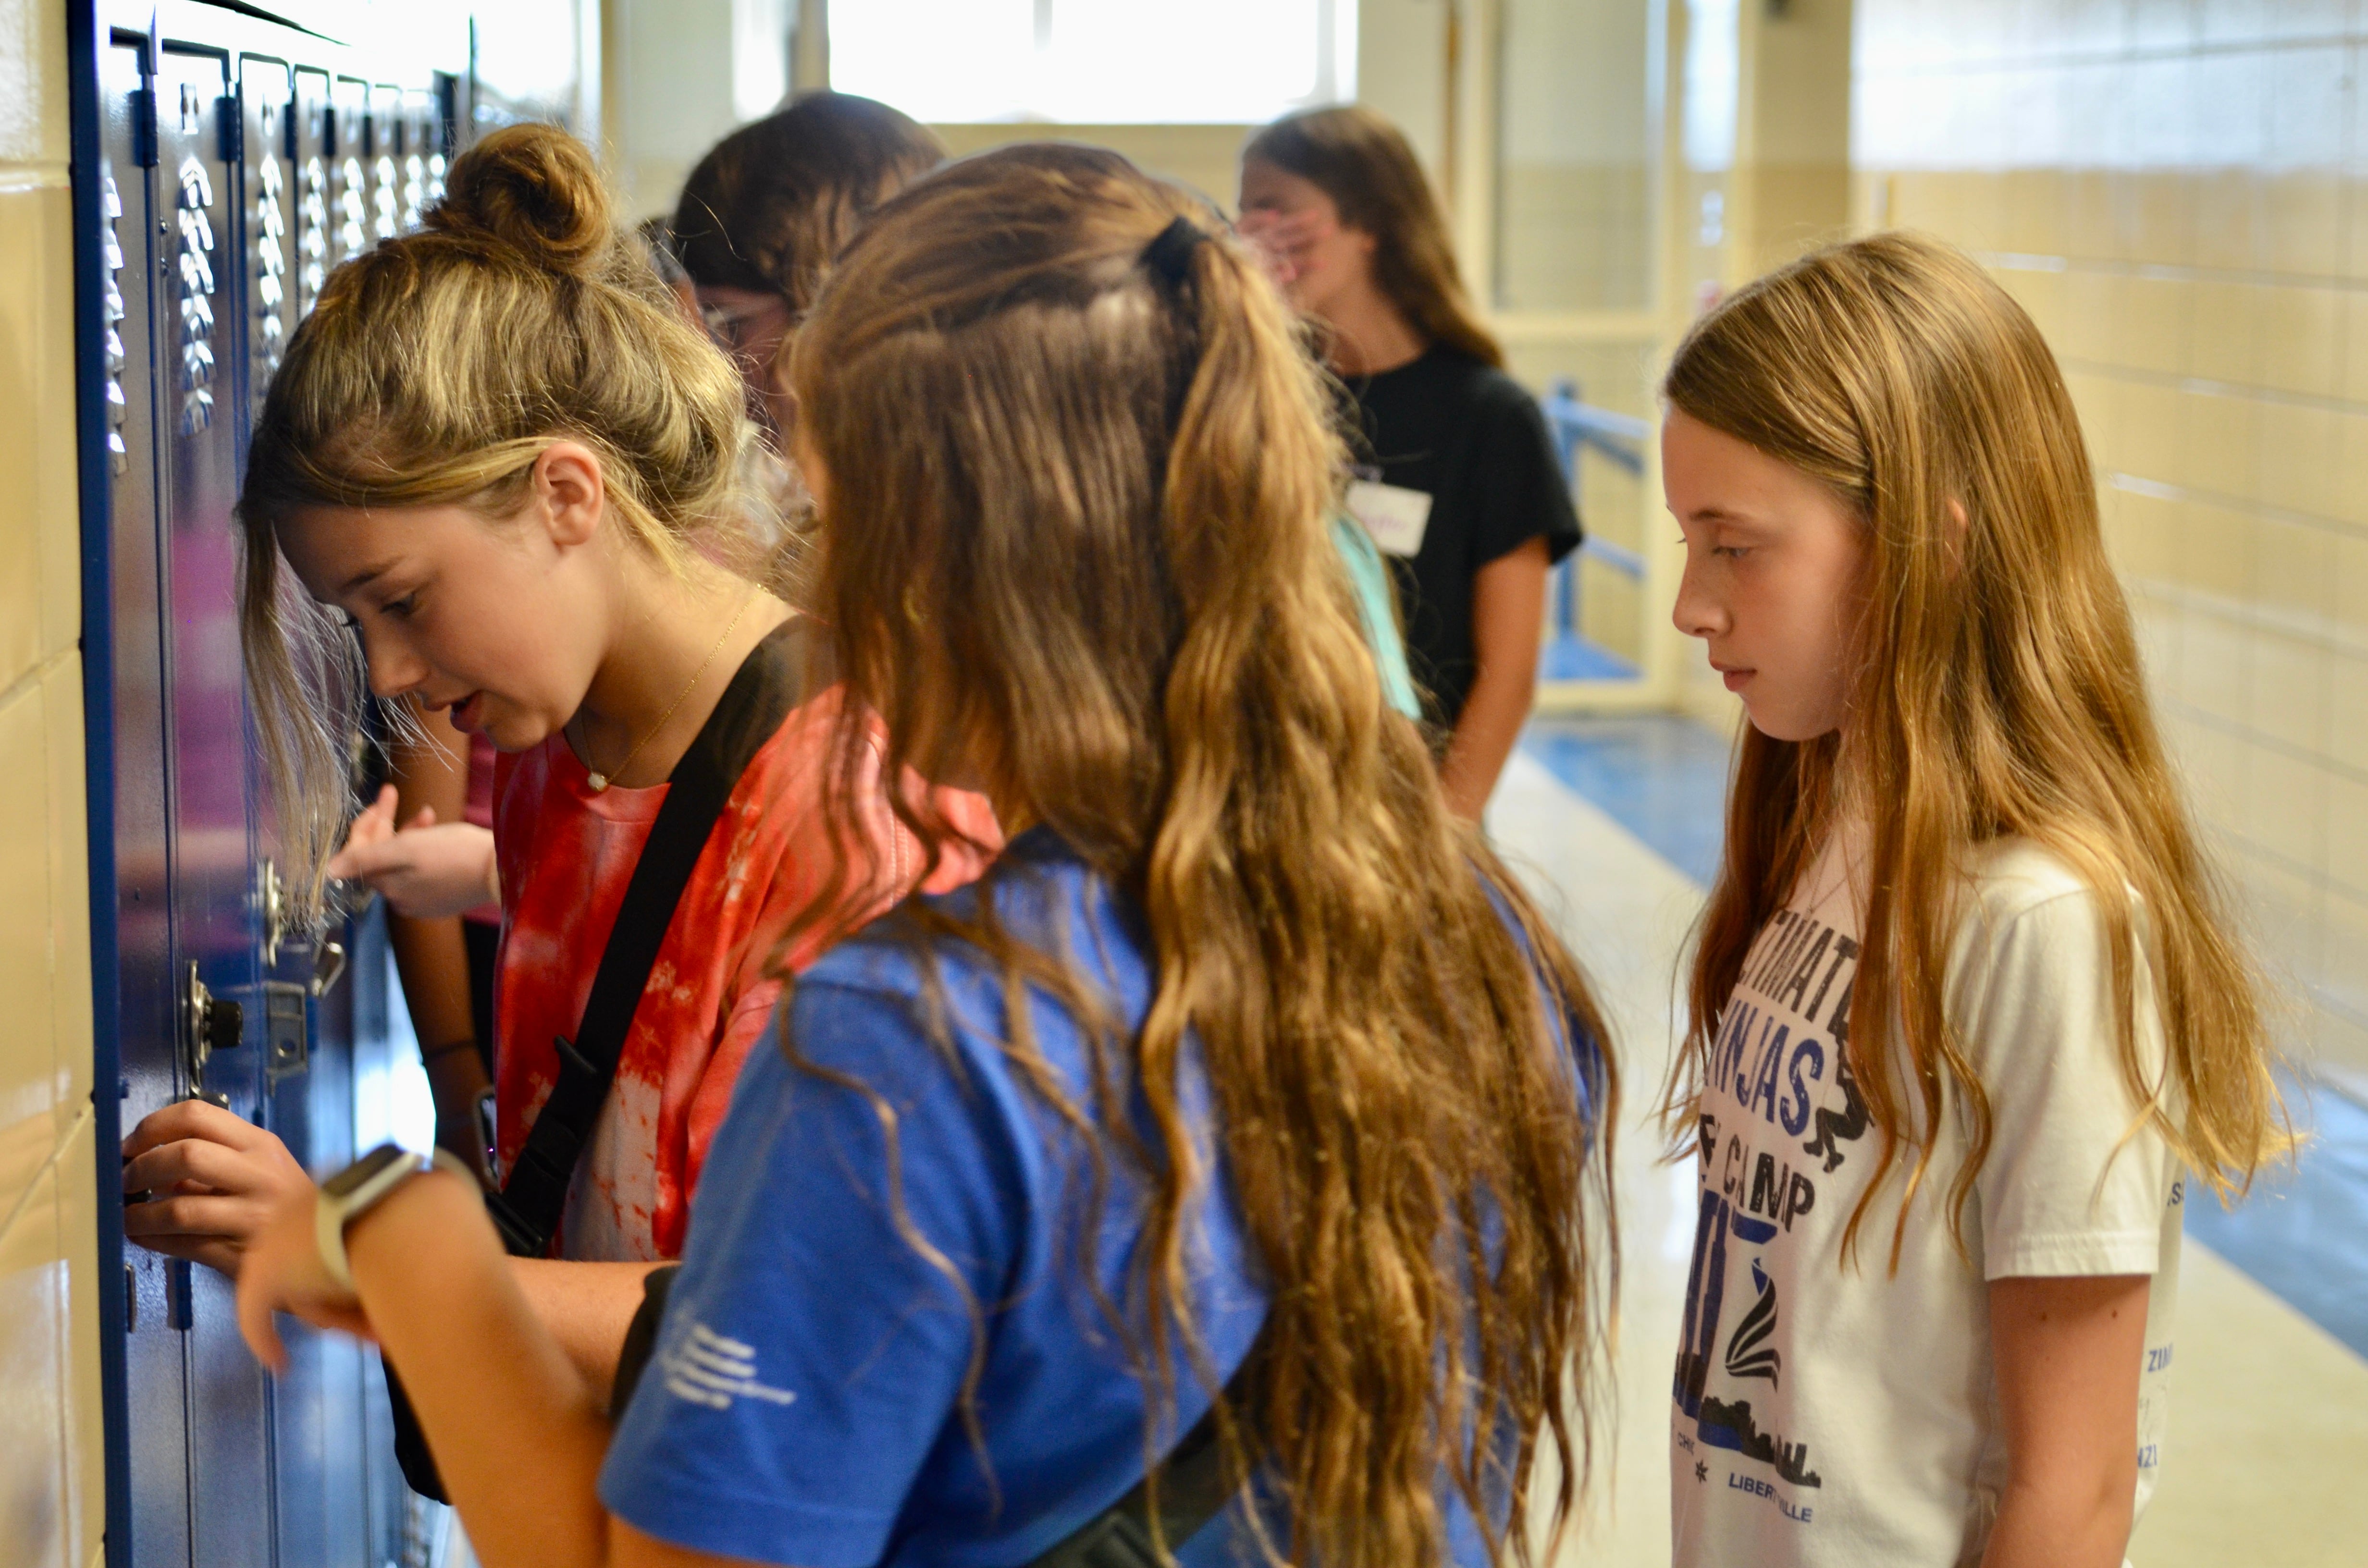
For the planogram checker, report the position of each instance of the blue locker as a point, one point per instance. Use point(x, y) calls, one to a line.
point(224, 164)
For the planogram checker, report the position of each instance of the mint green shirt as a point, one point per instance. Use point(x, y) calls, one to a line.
point(1372, 579)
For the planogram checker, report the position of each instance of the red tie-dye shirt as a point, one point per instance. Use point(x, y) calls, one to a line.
point(566, 854)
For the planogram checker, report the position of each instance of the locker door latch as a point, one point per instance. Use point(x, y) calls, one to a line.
point(208, 1023)
point(328, 965)
point(285, 1030)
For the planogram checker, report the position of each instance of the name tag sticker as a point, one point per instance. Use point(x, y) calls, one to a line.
point(1393, 515)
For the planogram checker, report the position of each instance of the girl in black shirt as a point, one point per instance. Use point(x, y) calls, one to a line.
point(1458, 478)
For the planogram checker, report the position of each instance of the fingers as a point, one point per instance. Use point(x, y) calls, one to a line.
point(373, 824)
point(367, 861)
point(224, 1169)
point(255, 1325)
point(427, 818)
point(375, 820)
point(193, 1118)
point(195, 1215)
point(1297, 228)
point(283, 1273)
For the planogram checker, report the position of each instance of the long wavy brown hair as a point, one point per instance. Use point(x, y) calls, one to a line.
point(1075, 544)
point(1996, 690)
point(1364, 164)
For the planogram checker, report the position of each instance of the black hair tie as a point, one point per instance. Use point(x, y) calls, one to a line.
point(1170, 252)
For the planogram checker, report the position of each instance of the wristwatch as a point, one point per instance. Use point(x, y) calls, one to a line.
point(356, 1189)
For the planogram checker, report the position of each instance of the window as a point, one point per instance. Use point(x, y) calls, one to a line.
point(1096, 62)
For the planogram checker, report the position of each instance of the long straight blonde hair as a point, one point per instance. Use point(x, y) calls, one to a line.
point(1076, 539)
point(1995, 691)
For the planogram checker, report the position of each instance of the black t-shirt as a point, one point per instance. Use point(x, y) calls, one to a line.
point(1469, 437)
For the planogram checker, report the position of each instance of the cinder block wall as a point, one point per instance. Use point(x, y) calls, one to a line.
point(2178, 193)
point(51, 1477)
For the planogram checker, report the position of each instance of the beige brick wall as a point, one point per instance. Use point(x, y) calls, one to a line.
point(2178, 193)
point(1207, 158)
point(51, 1477)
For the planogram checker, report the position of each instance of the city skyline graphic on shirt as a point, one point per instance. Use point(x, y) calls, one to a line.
point(1782, 1056)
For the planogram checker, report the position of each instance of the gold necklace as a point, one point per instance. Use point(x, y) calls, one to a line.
point(599, 781)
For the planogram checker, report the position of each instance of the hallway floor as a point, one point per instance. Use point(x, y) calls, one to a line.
point(1615, 824)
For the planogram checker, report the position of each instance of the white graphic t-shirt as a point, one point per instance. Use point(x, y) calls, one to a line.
point(1827, 1413)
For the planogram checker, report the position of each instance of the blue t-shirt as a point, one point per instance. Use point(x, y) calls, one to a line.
point(805, 1403)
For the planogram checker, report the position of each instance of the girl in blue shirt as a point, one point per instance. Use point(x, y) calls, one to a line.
point(1245, 1039)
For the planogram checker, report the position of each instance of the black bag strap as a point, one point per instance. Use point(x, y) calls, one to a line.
point(641, 1337)
point(1195, 1483)
point(769, 682)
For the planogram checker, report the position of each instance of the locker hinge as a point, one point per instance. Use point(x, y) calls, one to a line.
point(143, 127)
point(231, 127)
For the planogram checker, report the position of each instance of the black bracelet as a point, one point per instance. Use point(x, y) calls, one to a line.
point(432, 1053)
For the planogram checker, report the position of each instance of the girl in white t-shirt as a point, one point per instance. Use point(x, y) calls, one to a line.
point(1967, 1017)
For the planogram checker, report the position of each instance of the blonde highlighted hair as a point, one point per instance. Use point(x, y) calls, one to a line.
point(1077, 537)
point(435, 370)
point(1995, 690)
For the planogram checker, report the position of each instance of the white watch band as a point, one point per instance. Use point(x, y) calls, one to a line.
point(359, 1188)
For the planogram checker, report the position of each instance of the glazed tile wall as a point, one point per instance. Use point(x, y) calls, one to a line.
point(2178, 192)
point(52, 1485)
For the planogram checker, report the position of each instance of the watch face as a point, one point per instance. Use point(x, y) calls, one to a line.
point(349, 1180)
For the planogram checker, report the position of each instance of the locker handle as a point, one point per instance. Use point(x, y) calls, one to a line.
point(328, 966)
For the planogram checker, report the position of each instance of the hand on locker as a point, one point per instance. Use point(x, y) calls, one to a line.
point(426, 869)
point(212, 1180)
point(290, 1276)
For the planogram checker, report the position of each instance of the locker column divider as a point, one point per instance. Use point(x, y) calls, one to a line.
point(93, 482)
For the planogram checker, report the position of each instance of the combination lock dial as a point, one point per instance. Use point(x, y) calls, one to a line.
point(210, 1023)
point(224, 1022)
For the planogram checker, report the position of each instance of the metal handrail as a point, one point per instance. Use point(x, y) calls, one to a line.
point(1579, 426)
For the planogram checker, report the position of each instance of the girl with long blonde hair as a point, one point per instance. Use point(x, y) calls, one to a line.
point(1245, 1039)
point(1967, 1012)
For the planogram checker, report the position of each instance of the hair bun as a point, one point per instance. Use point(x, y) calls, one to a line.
point(535, 188)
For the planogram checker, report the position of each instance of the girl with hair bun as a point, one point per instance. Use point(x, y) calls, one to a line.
point(1247, 1039)
point(1968, 1015)
point(503, 470)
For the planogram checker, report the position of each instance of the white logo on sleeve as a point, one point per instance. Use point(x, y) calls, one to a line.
point(706, 1368)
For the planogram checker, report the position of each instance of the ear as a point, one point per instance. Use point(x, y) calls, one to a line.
point(572, 493)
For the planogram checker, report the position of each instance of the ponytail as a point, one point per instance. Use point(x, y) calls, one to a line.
point(1075, 447)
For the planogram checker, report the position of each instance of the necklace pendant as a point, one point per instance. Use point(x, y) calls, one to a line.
point(599, 783)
